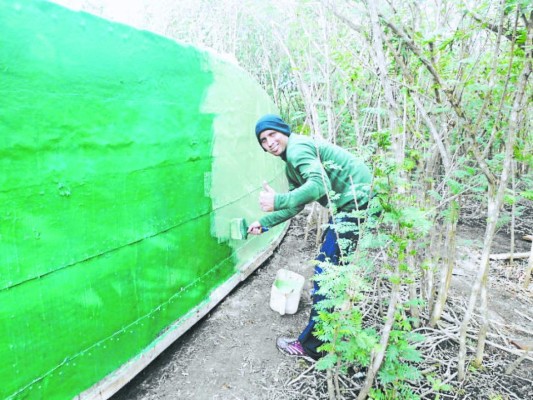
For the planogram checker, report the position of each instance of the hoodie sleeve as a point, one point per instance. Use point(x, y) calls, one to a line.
point(279, 216)
point(305, 163)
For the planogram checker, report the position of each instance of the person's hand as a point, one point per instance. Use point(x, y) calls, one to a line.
point(266, 198)
point(255, 228)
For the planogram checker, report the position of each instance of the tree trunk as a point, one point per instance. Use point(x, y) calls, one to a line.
point(498, 200)
point(447, 265)
point(495, 200)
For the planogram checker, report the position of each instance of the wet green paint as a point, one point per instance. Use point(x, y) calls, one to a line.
point(286, 286)
point(114, 212)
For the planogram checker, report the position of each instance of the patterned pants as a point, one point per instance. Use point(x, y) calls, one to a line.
point(329, 250)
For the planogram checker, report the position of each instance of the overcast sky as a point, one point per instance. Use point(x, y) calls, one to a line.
point(126, 11)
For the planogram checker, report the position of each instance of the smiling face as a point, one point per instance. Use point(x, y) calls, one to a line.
point(273, 142)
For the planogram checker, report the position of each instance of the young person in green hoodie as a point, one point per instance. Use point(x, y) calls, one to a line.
point(316, 171)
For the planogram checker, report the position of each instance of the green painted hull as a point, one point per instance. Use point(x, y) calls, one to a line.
point(123, 156)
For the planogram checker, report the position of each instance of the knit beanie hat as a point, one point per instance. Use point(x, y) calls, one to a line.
point(271, 121)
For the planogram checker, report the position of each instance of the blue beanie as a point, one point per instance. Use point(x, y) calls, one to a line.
point(271, 121)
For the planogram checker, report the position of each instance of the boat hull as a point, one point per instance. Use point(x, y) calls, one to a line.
point(124, 158)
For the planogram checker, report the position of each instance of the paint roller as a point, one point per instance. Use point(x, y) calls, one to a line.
point(239, 229)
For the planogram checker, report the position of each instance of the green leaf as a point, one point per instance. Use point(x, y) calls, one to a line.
point(455, 187)
point(459, 173)
point(395, 279)
point(434, 194)
point(509, 199)
point(375, 111)
point(411, 354)
point(326, 362)
point(409, 164)
point(527, 194)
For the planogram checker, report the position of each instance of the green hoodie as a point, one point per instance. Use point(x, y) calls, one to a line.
point(316, 170)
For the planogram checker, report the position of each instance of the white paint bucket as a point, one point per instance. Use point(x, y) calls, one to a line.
point(286, 291)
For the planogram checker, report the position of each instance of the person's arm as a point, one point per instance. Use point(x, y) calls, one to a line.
point(275, 217)
point(305, 161)
point(307, 164)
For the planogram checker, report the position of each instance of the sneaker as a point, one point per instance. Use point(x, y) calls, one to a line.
point(291, 347)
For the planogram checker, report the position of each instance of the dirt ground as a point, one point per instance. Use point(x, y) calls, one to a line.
point(231, 353)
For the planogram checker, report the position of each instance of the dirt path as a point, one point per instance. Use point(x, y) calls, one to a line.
point(231, 353)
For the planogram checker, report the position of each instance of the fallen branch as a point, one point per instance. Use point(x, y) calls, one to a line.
point(506, 349)
point(445, 332)
point(507, 256)
point(523, 345)
point(515, 364)
point(530, 264)
point(301, 375)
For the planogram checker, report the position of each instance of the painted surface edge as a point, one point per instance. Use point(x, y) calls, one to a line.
point(115, 381)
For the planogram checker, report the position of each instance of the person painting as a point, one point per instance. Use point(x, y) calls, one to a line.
point(316, 171)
